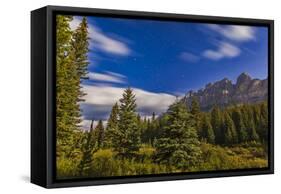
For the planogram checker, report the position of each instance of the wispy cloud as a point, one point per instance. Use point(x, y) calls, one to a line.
point(224, 50)
point(100, 99)
point(100, 40)
point(234, 32)
point(108, 76)
point(233, 36)
point(189, 57)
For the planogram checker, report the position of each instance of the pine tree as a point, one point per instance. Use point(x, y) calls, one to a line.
point(264, 121)
point(178, 145)
point(139, 119)
point(79, 55)
point(253, 136)
point(128, 134)
point(230, 135)
point(257, 117)
point(163, 121)
point(195, 112)
point(234, 134)
point(239, 125)
point(65, 101)
point(112, 126)
point(88, 149)
point(145, 131)
point(148, 122)
point(207, 130)
point(153, 117)
point(71, 65)
point(99, 134)
point(80, 50)
point(216, 121)
point(142, 127)
point(249, 123)
point(152, 131)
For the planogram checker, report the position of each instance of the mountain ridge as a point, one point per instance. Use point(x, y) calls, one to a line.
point(224, 92)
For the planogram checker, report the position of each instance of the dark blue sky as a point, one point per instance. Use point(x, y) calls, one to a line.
point(161, 60)
point(156, 61)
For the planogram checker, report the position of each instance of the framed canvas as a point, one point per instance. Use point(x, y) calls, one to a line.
point(125, 96)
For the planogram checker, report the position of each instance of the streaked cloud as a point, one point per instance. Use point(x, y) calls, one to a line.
point(234, 32)
point(100, 40)
point(224, 50)
point(233, 36)
point(189, 57)
point(108, 76)
point(100, 99)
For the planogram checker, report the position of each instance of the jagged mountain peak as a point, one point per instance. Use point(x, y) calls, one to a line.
point(224, 92)
point(243, 77)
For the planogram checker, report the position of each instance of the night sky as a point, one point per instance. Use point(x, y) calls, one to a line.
point(161, 60)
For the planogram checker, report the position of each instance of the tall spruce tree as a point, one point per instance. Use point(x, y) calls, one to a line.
point(155, 129)
point(229, 131)
point(216, 121)
point(79, 58)
point(99, 134)
point(257, 117)
point(79, 55)
point(239, 125)
point(151, 133)
point(80, 49)
point(179, 145)
point(112, 126)
point(88, 149)
point(207, 131)
point(264, 124)
point(71, 59)
point(253, 136)
point(146, 132)
point(195, 112)
point(127, 137)
point(249, 123)
point(66, 119)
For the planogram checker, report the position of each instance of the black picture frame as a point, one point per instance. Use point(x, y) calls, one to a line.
point(43, 95)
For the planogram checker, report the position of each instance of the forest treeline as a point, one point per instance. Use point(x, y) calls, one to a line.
point(183, 139)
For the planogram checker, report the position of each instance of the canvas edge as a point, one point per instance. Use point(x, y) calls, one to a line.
point(52, 183)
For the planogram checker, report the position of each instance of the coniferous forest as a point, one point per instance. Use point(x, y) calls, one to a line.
point(184, 138)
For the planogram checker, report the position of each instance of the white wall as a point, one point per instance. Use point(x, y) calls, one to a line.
point(15, 103)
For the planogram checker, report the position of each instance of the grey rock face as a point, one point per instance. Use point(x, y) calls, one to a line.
point(224, 92)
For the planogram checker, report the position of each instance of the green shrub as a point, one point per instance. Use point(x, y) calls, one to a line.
point(104, 164)
point(145, 154)
point(225, 158)
point(67, 168)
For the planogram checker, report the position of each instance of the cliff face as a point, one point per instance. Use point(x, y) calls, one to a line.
point(224, 92)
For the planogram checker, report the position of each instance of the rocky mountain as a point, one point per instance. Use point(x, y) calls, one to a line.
point(224, 92)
